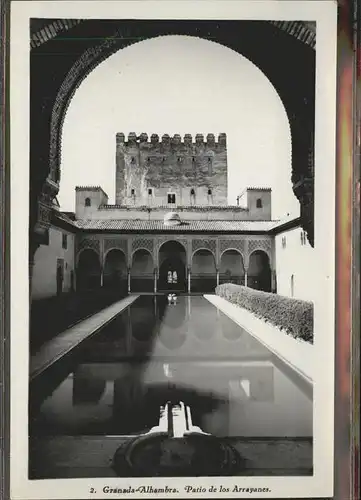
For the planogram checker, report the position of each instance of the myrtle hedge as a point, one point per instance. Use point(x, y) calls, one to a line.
point(293, 316)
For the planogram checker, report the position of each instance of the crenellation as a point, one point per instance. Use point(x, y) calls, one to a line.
point(120, 137)
point(211, 140)
point(176, 140)
point(132, 138)
point(154, 138)
point(199, 139)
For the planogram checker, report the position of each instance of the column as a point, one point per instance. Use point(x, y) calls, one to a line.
point(217, 277)
point(245, 278)
point(189, 280)
point(101, 276)
point(155, 279)
point(128, 272)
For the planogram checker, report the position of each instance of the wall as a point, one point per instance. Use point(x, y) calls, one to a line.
point(171, 165)
point(45, 264)
point(97, 197)
point(249, 199)
point(295, 259)
point(189, 213)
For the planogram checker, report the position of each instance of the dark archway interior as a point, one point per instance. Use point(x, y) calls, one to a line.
point(88, 271)
point(232, 268)
point(259, 271)
point(172, 267)
point(115, 271)
point(142, 271)
point(204, 273)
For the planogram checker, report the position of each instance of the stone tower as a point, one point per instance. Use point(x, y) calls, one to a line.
point(171, 171)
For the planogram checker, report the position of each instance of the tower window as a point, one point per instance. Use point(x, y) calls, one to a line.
point(65, 241)
point(132, 192)
point(150, 191)
point(88, 202)
point(132, 161)
point(259, 203)
point(209, 192)
point(171, 198)
point(192, 192)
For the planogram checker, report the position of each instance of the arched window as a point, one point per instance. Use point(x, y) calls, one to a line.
point(209, 192)
point(193, 196)
point(259, 203)
point(88, 202)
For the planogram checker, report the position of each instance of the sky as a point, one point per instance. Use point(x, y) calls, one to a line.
point(179, 85)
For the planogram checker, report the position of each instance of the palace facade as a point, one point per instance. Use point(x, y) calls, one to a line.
point(171, 228)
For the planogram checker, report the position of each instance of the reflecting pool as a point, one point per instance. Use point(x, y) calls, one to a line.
point(155, 352)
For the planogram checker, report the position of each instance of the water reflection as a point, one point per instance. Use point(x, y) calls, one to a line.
point(152, 354)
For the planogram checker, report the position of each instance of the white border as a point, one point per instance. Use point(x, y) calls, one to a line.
point(325, 14)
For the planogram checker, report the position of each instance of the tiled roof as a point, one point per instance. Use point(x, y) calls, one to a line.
point(62, 216)
point(181, 208)
point(186, 226)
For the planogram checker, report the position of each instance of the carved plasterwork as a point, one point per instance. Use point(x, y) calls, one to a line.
point(115, 243)
point(89, 242)
point(264, 245)
point(203, 243)
point(231, 244)
point(143, 243)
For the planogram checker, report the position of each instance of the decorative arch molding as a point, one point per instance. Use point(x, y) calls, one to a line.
point(207, 250)
point(238, 245)
point(260, 245)
point(115, 244)
point(283, 54)
point(204, 244)
point(143, 244)
point(114, 249)
point(89, 242)
point(235, 250)
point(145, 250)
point(79, 252)
point(163, 241)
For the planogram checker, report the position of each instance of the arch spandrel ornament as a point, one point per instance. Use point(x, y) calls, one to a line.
point(115, 243)
point(88, 243)
point(265, 245)
point(225, 245)
point(204, 243)
point(144, 244)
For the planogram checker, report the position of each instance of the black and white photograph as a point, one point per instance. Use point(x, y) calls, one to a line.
point(174, 317)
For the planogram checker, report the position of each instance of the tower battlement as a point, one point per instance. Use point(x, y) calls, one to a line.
point(175, 141)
